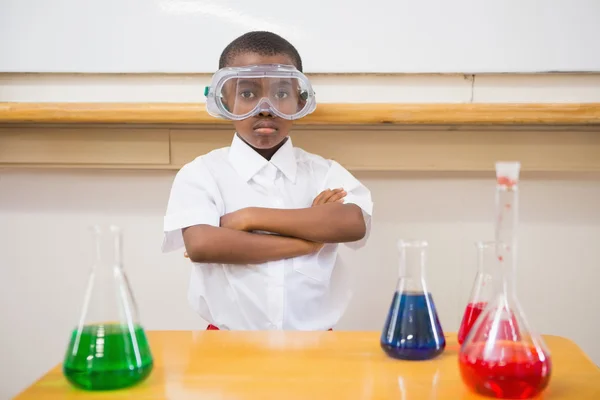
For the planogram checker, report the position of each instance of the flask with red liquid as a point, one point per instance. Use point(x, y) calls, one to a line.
point(502, 356)
point(482, 290)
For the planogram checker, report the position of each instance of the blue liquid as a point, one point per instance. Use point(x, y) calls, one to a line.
point(412, 330)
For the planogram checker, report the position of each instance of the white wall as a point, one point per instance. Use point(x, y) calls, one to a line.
point(44, 215)
point(188, 35)
point(561, 88)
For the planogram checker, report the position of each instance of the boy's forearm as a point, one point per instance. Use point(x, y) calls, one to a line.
point(328, 223)
point(208, 244)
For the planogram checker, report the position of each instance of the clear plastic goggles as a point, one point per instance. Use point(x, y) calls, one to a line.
point(238, 93)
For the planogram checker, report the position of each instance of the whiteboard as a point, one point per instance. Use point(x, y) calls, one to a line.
point(332, 36)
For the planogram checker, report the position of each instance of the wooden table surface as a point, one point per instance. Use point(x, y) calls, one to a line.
point(309, 365)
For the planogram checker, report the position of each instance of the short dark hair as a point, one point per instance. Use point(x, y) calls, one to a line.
point(260, 42)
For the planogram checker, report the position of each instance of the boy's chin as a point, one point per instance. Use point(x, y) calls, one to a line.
point(264, 142)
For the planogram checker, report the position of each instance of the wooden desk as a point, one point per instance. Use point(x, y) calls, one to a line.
point(309, 365)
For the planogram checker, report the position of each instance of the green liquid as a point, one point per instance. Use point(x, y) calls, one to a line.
point(107, 357)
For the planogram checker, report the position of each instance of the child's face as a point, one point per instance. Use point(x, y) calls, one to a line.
point(265, 130)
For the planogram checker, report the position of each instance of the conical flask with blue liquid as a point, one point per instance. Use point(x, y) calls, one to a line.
point(412, 329)
point(108, 348)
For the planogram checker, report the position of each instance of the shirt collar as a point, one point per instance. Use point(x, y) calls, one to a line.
point(247, 162)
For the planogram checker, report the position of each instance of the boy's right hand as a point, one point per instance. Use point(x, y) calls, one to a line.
point(329, 196)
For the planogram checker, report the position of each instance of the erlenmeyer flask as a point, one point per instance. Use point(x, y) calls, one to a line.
point(502, 357)
point(482, 290)
point(108, 349)
point(412, 329)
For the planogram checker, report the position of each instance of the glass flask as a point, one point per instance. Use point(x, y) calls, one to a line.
point(482, 290)
point(502, 356)
point(412, 329)
point(108, 349)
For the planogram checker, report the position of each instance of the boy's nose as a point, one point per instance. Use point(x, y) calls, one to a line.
point(265, 112)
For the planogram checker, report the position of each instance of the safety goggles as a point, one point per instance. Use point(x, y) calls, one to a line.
point(238, 93)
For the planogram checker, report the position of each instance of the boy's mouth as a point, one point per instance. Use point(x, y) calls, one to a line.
point(265, 127)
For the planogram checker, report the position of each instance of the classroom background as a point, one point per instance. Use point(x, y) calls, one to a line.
point(45, 211)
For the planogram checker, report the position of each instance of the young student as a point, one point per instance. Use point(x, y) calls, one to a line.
point(261, 220)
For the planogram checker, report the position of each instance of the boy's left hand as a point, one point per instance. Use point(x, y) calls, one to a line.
point(330, 196)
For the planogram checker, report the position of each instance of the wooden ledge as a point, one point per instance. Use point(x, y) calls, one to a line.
point(358, 148)
point(326, 114)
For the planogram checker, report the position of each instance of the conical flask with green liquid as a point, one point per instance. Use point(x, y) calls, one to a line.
point(108, 348)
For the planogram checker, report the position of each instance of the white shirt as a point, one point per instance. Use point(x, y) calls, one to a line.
point(303, 293)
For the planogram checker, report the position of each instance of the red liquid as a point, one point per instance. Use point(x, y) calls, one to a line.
point(508, 330)
point(510, 371)
point(471, 313)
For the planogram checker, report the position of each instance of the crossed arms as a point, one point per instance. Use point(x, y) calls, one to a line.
point(299, 232)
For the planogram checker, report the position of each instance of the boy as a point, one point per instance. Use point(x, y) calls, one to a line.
point(259, 219)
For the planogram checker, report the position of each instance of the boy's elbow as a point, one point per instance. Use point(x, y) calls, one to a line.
point(198, 246)
point(357, 229)
point(198, 253)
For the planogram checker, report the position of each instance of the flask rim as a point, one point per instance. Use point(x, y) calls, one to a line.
point(412, 243)
point(485, 244)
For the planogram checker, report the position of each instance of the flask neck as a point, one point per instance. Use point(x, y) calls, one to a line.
point(507, 219)
point(107, 249)
point(486, 258)
point(487, 269)
point(504, 276)
point(108, 298)
point(411, 272)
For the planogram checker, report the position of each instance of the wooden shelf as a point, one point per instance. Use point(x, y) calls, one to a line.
point(363, 137)
point(326, 114)
point(358, 148)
